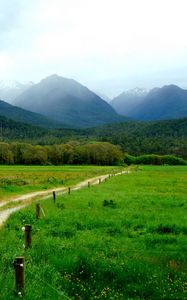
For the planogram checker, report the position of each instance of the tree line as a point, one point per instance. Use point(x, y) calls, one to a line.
point(76, 153)
point(97, 153)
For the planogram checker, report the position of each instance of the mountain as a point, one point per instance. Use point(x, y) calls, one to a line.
point(67, 101)
point(10, 89)
point(168, 102)
point(22, 115)
point(126, 102)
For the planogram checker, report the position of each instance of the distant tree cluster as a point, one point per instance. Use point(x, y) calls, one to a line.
point(97, 153)
point(153, 159)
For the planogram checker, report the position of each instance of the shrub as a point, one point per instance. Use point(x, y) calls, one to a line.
point(109, 203)
point(173, 160)
point(129, 159)
point(151, 159)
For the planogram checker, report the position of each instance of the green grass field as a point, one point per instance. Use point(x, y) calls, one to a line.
point(132, 247)
point(17, 180)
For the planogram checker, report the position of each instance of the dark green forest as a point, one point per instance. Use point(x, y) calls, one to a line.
point(138, 138)
point(134, 138)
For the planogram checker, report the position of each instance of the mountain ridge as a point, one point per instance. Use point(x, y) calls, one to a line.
point(167, 102)
point(127, 101)
point(65, 100)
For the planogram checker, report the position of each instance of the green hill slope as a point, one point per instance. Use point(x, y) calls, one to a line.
point(22, 115)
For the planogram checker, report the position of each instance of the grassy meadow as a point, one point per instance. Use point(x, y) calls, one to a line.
point(123, 239)
point(17, 180)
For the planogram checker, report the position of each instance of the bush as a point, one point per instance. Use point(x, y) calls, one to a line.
point(150, 159)
point(109, 203)
point(173, 160)
point(129, 159)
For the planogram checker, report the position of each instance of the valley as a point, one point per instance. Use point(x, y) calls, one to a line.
point(93, 150)
point(101, 236)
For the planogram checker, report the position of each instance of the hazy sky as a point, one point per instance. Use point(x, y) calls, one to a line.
point(108, 45)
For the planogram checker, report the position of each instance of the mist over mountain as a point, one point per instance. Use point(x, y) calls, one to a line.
point(126, 102)
point(67, 101)
point(103, 96)
point(21, 115)
point(168, 102)
point(10, 89)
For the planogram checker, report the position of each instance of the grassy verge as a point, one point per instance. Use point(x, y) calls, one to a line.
point(18, 180)
point(123, 239)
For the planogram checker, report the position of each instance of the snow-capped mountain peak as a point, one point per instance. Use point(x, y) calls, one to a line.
point(137, 91)
point(13, 84)
point(10, 89)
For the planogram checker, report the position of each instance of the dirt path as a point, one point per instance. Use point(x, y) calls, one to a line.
point(28, 198)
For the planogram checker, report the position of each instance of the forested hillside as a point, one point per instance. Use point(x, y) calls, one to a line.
point(161, 137)
point(22, 115)
point(136, 138)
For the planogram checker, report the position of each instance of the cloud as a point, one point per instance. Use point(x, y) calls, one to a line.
point(9, 14)
point(93, 40)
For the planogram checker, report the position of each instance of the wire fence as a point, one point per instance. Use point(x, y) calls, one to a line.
point(118, 248)
point(39, 279)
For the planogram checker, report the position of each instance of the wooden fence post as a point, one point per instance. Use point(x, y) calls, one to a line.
point(28, 239)
point(37, 211)
point(54, 196)
point(69, 190)
point(19, 264)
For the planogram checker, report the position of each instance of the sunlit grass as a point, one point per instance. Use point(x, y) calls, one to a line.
point(17, 180)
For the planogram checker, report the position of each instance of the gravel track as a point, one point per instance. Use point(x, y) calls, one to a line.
point(28, 198)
